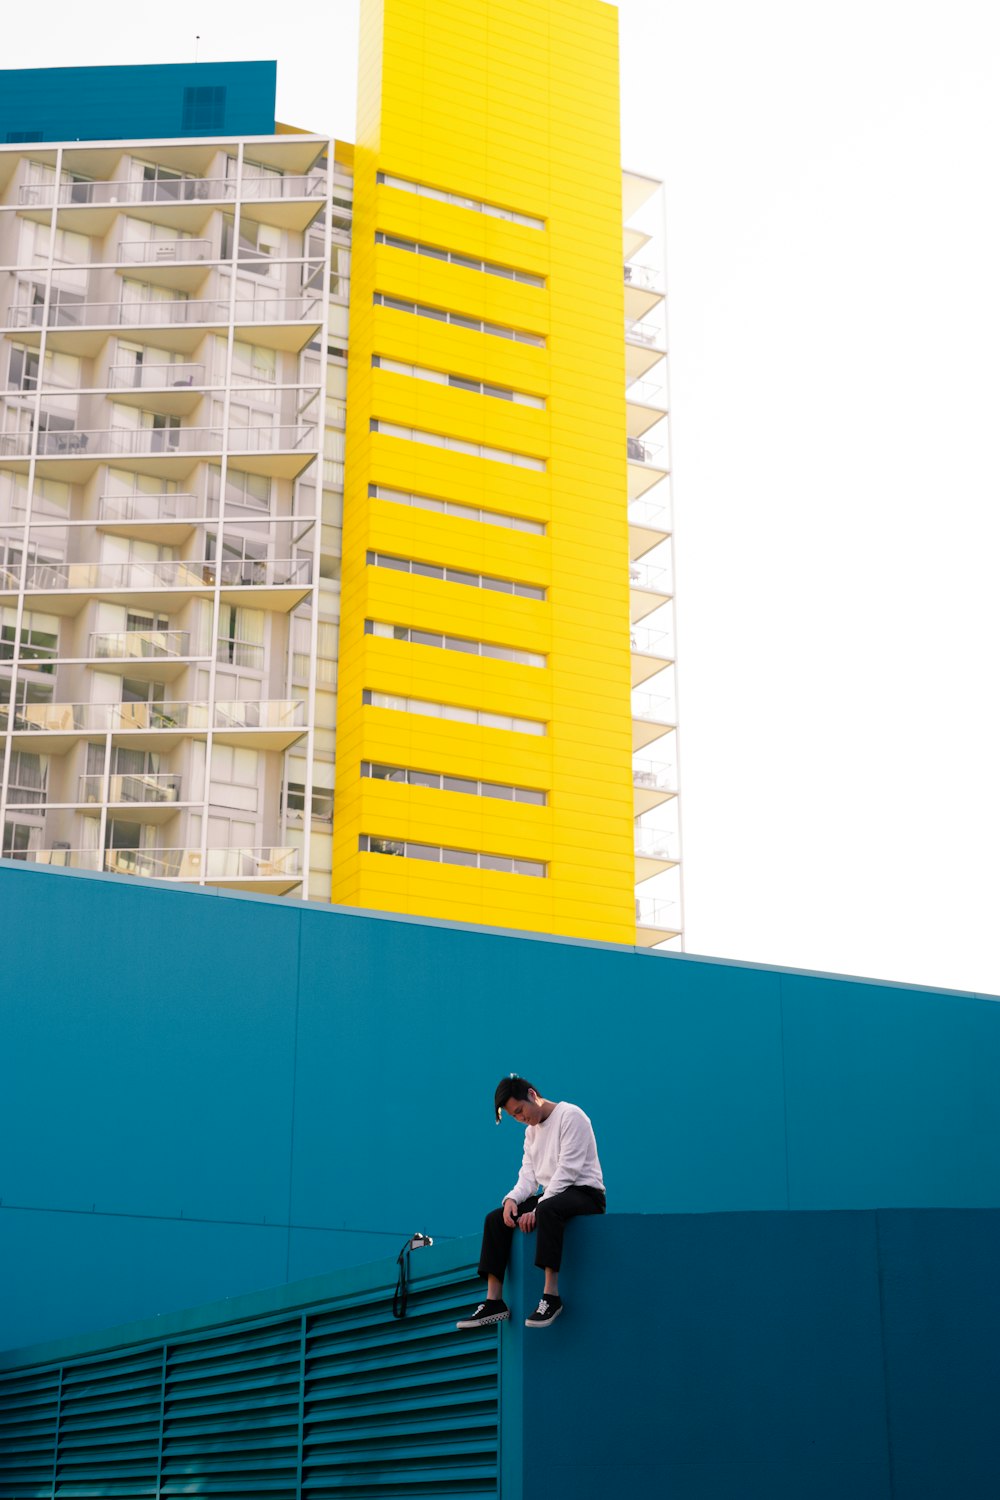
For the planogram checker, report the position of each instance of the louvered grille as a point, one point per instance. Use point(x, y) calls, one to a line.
point(339, 1402)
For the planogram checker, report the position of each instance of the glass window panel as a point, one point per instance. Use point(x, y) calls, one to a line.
point(459, 857)
point(458, 784)
point(429, 852)
point(459, 643)
point(494, 862)
point(424, 778)
point(425, 638)
point(529, 795)
point(529, 867)
point(497, 790)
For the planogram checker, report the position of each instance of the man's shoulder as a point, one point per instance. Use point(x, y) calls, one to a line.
point(573, 1111)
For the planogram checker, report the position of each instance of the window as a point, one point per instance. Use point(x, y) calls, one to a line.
point(453, 643)
point(493, 210)
point(457, 445)
point(415, 247)
point(454, 575)
point(457, 382)
point(28, 779)
point(243, 491)
point(295, 802)
point(204, 110)
point(454, 508)
point(441, 781)
point(241, 636)
point(442, 315)
point(22, 372)
point(39, 637)
point(452, 711)
point(436, 854)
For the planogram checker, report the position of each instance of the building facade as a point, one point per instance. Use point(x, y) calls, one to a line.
point(335, 538)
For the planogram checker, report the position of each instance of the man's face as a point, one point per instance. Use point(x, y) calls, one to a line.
point(527, 1111)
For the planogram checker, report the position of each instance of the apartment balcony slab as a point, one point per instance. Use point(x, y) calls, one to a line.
point(648, 590)
point(646, 867)
point(272, 871)
point(640, 298)
point(652, 785)
point(652, 718)
point(147, 669)
point(649, 524)
point(634, 241)
point(645, 470)
point(643, 411)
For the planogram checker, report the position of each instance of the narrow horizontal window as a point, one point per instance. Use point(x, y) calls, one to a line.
point(443, 315)
point(457, 445)
point(488, 267)
point(457, 382)
point(455, 508)
point(457, 200)
point(454, 575)
point(452, 711)
point(436, 854)
point(443, 781)
point(453, 643)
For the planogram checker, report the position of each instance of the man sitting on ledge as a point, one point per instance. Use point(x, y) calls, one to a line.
point(560, 1152)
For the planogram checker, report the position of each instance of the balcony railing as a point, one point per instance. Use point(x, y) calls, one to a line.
point(69, 314)
point(653, 913)
point(648, 513)
point(648, 642)
point(234, 572)
point(644, 453)
point(655, 843)
point(647, 393)
point(638, 332)
point(653, 708)
point(168, 507)
point(158, 787)
point(163, 252)
point(651, 580)
point(288, 186)
point(263, 863)
point(154, 377)
point(653, 776)
point(129, 645)
point(645, 278)
point(113, 718)
point(144, 441)
point(107, 194)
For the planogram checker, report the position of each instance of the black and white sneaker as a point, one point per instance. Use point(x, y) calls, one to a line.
point(486, 1313)
point(548, 1309)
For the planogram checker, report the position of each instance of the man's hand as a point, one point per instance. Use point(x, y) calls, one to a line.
point(509, 1212)
point(526, 1222)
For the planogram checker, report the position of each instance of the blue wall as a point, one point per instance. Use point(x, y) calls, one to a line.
point(206, 1093)
point(792, 1356)
point(127, 103)
point(750, 1356)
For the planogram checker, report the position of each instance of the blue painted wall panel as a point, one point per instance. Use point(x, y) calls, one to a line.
point(125, 103)
point(246, 1059)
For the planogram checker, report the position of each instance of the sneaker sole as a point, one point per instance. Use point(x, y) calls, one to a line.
point(530, 1322)
point(482, 1322)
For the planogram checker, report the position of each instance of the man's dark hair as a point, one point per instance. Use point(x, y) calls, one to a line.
point(511, 1087)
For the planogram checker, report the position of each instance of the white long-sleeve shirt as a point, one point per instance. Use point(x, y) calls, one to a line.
point(561, 1152)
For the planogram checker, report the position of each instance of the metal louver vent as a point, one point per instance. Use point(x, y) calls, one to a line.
point(337, 1402)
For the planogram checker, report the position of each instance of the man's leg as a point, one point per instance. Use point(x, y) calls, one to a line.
point(493, 1258)
point(551, 1218)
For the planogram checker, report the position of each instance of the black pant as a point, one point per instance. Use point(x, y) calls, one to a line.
point(550, 1222)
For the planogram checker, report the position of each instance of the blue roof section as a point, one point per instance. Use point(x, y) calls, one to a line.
point(158, 101)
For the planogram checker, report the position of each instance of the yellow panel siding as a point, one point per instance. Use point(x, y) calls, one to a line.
point(513, 103)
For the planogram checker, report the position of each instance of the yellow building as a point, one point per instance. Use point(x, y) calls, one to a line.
point(335, 554)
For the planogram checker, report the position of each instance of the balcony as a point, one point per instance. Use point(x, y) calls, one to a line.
point(644, 287)
point(652, 650)
point(274, 871)
point(163, 252)
point(652, 716)
point(149, 655)
point(645, 405)
point(268, 725)
point(649, 523)
point(167, 518)
point(70, 454)
point(649, 588)
point(653, 783)
point(645, 346)
point(655, 921)
point(648, 463)
point(656, 850)
point(153, 796)
point(63, 588)
point(81, 328)
point(179, 387)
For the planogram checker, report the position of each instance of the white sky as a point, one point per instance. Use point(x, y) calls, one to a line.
point(834, 280)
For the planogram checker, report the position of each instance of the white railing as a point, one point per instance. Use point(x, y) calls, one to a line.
point(638, 332)
point(649, 642)
point(655, 843)
point(130, 645)
point(278, 309)
point(152, 314)
point(653, 776)
point(173, 573)
point(154, 377)
point(649, 579)
point(163, 252)
point(653, 708)
point(240, 863)
point(650, 514)
point(165, 507)
point(646, 278)
point(652, 913)
point(640, 452)
point(155, 787)
point(113, 718)
point(131, 441)
point(647, 393)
